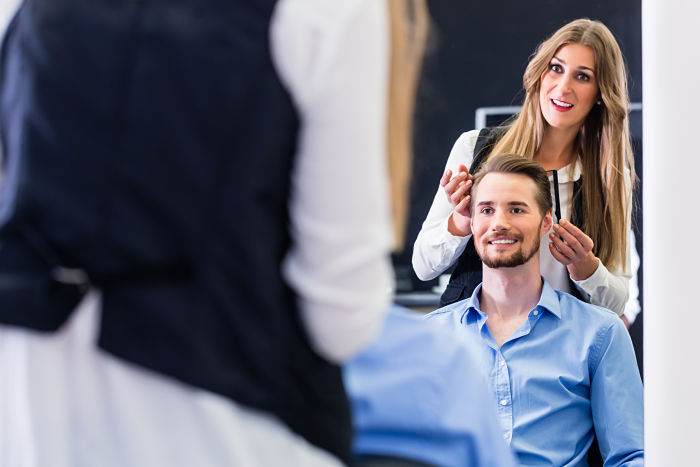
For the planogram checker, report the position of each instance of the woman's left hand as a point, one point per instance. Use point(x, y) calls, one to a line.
point(574, 249)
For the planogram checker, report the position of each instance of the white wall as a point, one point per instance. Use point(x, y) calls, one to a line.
point(671, 73)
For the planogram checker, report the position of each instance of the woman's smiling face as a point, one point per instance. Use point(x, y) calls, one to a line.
point(568, 89)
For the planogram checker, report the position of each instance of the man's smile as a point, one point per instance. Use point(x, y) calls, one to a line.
point(502, 241)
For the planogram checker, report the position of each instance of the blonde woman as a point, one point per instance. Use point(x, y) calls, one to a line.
point(574, 123)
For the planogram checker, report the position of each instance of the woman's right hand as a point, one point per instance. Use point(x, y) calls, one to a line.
point(458, 191)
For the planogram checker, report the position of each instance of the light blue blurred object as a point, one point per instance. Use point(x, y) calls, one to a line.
point(417, 393)
point(568, 369)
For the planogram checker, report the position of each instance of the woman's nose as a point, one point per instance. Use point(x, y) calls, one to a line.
point(565, 83)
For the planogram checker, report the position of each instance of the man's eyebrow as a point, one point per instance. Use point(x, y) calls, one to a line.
point(510, 203)
point(580, 68)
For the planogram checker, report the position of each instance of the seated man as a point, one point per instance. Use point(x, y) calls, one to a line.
point(559, 368)
point(418, 398)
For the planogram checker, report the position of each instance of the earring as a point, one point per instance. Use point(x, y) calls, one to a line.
point(598, 102)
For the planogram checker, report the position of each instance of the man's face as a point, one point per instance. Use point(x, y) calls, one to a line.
point(506, 221)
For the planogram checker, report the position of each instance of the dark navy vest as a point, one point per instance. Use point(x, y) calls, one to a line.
point(468, 270)
point(148, 147)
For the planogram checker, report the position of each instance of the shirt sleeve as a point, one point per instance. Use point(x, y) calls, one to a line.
point(610, 289)
point(606, 289)
point(436, 249)
point(632, 307)
point(333, 58)
point(617, 399)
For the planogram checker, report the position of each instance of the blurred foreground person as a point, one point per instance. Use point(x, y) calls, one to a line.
point(562, 371)
point(418, 398)
point(195, 225)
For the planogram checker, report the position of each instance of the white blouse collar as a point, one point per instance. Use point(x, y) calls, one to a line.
point(570, 172)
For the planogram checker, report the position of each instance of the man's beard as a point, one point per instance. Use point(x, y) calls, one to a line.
point(517, 258)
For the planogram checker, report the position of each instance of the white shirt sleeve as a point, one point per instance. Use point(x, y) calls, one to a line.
point(610, 289)
point(633, 307)
point(436, 249)
point(333, 58)
point(606, 289)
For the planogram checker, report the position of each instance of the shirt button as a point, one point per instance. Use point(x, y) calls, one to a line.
point(503, 362)
point(536, 312)
point(505, 435)
point(504, 402)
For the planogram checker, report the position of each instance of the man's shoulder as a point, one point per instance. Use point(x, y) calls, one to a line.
point(583, 313)
point(451, 313)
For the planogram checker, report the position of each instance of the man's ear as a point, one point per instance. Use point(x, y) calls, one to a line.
point(546, 223)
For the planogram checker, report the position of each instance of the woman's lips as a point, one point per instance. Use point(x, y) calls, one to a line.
point(561, 106)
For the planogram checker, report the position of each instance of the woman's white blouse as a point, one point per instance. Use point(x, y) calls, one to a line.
point(436, 249)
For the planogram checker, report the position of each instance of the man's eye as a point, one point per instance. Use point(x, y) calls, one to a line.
point(517, 210)
point(487, 211)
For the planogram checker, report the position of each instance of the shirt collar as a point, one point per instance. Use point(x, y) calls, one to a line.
point(473, 311)
point(570, 172)
point(549, 301)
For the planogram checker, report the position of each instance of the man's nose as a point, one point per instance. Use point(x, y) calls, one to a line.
point(500, 221)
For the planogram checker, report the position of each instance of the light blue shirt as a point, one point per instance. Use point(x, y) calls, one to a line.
point(569, 369)
point(417, 394)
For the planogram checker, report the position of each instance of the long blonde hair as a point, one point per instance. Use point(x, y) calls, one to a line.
point(409, 26)
point(603, 142)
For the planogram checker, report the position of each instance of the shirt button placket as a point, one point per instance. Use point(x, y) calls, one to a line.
point(502, 384)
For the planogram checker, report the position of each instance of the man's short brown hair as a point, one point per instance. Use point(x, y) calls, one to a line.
point(514, 164)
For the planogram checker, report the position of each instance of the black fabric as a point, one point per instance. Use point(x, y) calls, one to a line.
point(595, 459)
point(485, 141)
point(467, 273)
point(150, 144)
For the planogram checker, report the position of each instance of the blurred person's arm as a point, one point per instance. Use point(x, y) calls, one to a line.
point(420, 393)
point(337, 72)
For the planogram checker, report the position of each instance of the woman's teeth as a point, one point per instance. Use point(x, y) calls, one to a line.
point(562, 103)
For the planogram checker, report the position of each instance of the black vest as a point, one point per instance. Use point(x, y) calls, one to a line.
point(149, 144)
point(468, 270)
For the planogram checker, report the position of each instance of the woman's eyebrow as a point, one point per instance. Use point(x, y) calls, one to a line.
point(582, 67)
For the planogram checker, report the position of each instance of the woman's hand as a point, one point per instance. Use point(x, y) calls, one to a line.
point(458, 191)
point(574, 249)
